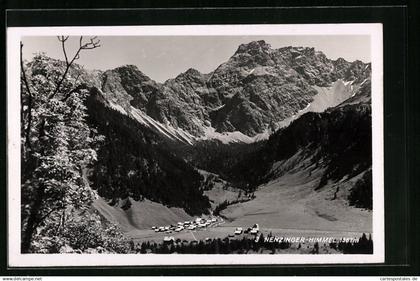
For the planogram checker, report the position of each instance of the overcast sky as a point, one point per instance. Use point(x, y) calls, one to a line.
point(164, 57)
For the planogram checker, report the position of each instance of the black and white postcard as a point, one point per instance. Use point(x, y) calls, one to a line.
point(195, 145)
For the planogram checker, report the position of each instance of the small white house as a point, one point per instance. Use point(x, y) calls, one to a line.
point(254, 231)
point(238, 231)
point(168, 239)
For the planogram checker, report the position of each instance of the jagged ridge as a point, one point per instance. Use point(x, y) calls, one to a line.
point(251, 92)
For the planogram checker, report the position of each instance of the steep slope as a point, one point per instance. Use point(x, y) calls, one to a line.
point(131, 92)
point(338, 139)
point(291, 203)
point(314, 175)
point(219, 191)
point(361, 95)
point(140, 215)
point(325, 98)
point(262, 87)
point(134, 161)
point(259, 88)
point(180, 103)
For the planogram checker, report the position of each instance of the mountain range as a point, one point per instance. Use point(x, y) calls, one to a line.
point(245, 97)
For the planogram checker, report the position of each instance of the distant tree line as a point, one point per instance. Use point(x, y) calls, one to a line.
point(212, 246)
point(244, 246)
point(89, 238)
point(363, 246)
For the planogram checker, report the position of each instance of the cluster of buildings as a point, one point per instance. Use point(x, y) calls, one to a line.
point(250, 230)
point(189, 225)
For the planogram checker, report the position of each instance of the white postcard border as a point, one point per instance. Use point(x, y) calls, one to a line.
point(16, 259)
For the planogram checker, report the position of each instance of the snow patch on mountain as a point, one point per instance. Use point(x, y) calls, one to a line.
point(165, 129)
point(232, 137)
point(331, 96)
point(327, 97)
point(117, 107)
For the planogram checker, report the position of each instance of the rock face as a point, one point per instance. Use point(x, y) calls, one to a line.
point(178, 102)
point(127, 85)
point(258, 88)
point(255, 89)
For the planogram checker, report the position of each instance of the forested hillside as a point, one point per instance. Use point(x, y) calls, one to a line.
point(134, 162)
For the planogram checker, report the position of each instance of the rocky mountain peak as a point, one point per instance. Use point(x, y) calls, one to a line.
point(190, 74)
point(298, 51)
point(193, 72)
point(340, 60)
point(254, 47)
point(131, 72)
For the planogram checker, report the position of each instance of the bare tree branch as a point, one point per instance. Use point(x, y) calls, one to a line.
point(92, 44)
point(63, 40)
